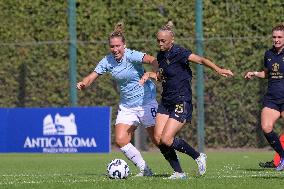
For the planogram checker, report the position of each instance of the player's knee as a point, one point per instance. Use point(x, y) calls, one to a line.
point(166, 140)
point(267, 128)
point(120, 141)
point(157, 138)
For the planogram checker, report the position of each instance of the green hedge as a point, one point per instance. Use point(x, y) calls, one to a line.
point(34, 55)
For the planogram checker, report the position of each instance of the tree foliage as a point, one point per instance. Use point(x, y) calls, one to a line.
point(34, 55)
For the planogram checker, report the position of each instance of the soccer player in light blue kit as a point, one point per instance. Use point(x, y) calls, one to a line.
point(138, 103)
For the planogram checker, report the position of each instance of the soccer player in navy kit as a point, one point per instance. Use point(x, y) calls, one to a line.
point(273, 102)
point(175, 108)
point(138, 103)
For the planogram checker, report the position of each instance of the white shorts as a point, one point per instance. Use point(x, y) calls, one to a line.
point(141, 115)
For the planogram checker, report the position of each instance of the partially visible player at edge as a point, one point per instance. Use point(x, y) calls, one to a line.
point(273, 101)
point(175, 108)
point(138, 103)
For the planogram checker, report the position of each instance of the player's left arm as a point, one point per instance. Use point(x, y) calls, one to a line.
point(147, 75)
point(148, 59)
point(201, 60)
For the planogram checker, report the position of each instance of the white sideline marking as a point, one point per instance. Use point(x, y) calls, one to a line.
point(92, 180)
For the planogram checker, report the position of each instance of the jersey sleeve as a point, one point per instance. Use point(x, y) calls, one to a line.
point(136, 56)
point(265, 59)
point(186, 53)
point(101, 68)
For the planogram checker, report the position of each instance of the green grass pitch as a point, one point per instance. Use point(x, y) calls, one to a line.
point(224, 170)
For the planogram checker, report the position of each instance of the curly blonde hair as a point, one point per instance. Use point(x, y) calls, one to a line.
point(118, 32)
point(168, 27)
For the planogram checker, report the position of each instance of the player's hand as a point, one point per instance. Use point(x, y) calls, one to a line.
point(81, 85)
point(144, 78)
point(158, 76)
point(225, 72)
point(249, 75)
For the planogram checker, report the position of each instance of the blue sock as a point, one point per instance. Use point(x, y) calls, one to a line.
point(182, 146)
point(274, 142)
point(171, 156)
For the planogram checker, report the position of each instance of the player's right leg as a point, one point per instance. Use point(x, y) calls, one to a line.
point(123, 135)
point(167, 151)
point(201, 163)
point(269, 115)
point(124, 130)
point(179, 114)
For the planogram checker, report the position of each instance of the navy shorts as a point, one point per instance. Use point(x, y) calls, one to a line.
point(180, 112)
point(273, 104)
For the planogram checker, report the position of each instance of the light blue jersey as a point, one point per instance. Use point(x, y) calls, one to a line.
point(127, 74)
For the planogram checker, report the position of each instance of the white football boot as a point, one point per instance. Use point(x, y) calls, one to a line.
point(177, 175)
point(145, 172)
point(201, 162)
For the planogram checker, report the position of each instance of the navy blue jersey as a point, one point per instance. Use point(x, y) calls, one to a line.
point(175, 75)
point(274, 62)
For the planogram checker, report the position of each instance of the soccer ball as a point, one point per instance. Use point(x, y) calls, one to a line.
point(118, 169)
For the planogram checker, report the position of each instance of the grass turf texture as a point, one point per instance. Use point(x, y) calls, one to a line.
point(224, 170)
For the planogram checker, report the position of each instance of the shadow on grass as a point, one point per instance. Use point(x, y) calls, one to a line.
point(256, 169)
point(161, 175)
point(264, 173)
point(104, 174)
point(89, 174)
point(280, 177)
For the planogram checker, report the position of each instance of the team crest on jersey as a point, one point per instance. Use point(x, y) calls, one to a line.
point(179, 108)
point(275, 67)
point(269, 59)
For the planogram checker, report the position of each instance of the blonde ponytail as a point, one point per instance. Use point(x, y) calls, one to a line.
point(118, 32)
point(168, 27)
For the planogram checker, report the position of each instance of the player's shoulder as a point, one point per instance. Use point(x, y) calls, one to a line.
point(130, 52)
point(134, 55)
point(108, 59)
point(180, 51)
point(270, 52)
point(178, 48)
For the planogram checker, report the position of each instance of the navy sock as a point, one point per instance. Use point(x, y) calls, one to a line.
point(182, 146)
point(274, 142)
point(171, 156)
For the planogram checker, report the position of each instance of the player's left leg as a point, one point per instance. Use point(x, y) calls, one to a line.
point(280, 166)
point(169, 139)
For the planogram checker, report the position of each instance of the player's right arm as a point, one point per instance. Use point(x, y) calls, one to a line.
point(87, 81)
point(261, 74)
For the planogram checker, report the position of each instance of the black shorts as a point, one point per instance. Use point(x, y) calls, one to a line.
point(180, 112)
point(274, 104)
